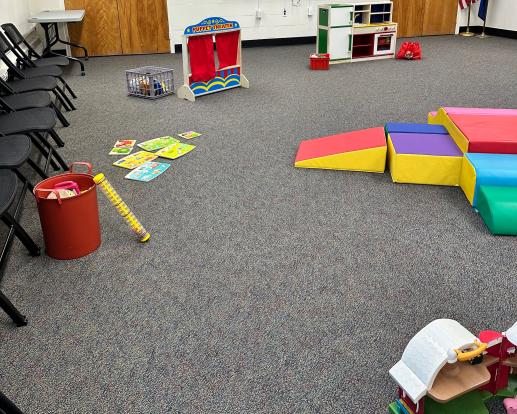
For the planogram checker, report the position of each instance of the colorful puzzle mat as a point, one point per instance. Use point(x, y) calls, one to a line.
point(363, 150)
point(487, 169)
point(423, 154)
point(482, 130)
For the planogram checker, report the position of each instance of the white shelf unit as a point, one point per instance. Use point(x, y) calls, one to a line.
point(356, 32)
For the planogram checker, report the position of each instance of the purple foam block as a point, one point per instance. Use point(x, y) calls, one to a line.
point(425, 144)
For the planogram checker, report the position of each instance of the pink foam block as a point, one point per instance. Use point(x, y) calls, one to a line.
point(479, 111)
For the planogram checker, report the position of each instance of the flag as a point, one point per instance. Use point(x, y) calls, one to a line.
point(464, 3)
point(483, 7)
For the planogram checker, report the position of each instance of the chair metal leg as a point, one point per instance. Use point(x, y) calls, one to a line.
point(7, 405)
point(24, 180)
point(68, 88)
point(38, 140)
point(66, 98)
point(56, 138)
point(53, 153)
point(22, 235)
point(60, 160)
point(61, 100)
point(60, 115)
point(37, 168)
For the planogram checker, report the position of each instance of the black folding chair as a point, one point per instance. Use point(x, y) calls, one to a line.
point(45, 84)
point(29, 70)
point(44, 75)
point(8, 193)
point(18, 40)
point(51, 37)
point(30, 100)
point(15, 151)
point(35, 123)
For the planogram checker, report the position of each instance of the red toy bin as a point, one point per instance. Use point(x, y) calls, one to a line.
point(320, 61)
point(70, 225)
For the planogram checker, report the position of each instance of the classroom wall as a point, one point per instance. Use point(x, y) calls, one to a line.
point(502, 14)
point(273, 24)
point(16, 12)
point(37, 6)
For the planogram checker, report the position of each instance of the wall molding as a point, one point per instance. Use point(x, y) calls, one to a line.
point(491, 31)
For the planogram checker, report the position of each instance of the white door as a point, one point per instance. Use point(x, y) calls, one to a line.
point(341, 16)
point(340, 41)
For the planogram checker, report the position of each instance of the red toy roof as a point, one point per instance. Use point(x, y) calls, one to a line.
point(489, 336)
point(488, 133)
point(340, 143)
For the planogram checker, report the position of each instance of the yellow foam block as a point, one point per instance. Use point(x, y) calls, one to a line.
point(442, 118)
point(430, 117)
point(468, 179)
point(367, 160)
point(423, 169)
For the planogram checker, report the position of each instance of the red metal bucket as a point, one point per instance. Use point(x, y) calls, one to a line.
point(70, 225)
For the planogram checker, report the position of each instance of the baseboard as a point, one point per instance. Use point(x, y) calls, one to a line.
point(280, 42)
point(491, 31)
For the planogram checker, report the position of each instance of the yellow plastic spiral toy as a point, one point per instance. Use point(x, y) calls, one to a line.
point(121, 207)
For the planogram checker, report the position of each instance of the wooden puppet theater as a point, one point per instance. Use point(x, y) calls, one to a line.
point(200, 74)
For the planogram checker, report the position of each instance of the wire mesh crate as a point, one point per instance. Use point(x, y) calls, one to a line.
point(150, 82)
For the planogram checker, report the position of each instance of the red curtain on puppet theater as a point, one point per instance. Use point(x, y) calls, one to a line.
point(202, 60)
point(227, 48)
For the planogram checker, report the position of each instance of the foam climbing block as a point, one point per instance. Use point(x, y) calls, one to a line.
point(363, 150)
point(392, 127)
point(487, 169)
point(488, 133)
point(442, 118)
point(418, 158)
point(479, 111)
point(431, 116)
point(497, 205)
point(482, 130)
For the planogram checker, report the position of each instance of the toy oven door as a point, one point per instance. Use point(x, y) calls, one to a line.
point(384, 44)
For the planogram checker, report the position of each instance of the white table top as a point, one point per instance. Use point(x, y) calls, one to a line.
point(58, 16)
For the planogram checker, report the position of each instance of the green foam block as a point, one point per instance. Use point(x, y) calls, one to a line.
point(498, 207)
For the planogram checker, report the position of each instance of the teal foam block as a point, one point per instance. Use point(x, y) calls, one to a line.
point(493, 169)
point(497, 206)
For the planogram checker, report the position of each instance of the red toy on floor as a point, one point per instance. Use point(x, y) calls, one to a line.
point(410, 51)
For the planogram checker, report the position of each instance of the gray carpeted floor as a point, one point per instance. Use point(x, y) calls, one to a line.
point(265, 288)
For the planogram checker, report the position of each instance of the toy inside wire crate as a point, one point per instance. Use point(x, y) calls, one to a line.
point(150, 82)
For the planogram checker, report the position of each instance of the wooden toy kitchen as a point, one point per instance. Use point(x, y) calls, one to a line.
point(356, 32)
